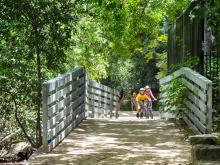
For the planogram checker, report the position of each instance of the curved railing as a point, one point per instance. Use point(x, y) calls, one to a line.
point(199, 100)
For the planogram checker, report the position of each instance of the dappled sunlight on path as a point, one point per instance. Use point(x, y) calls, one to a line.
point(123, 141)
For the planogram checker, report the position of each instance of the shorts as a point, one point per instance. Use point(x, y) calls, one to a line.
point(133, 99)
point(140, 105)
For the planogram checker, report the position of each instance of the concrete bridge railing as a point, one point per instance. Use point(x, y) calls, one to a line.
point(68, 99)
point(199, 100)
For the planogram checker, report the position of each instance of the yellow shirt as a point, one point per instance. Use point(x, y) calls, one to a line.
point(141, 97)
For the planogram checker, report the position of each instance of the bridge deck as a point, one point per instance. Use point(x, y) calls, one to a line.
point(124, 141)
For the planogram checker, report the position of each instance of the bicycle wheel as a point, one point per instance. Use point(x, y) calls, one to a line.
point(141, 114)
point(149, 110)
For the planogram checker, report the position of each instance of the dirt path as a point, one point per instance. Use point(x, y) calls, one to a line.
point(123, 141)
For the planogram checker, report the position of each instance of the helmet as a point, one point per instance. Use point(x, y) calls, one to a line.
point(147, 87)
point(142, 89)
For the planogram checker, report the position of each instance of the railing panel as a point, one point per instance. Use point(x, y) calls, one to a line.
point(197, 112)
point(102, 101)
point(199, 99)
point(202, 106)
point(169, 77)
point(191, 125)
point(197, 78)
point(202, 128)
point(60, 94)
point(63, 106)
point(195, 90)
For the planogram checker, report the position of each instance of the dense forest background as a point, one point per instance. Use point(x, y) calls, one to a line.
point(119, 42)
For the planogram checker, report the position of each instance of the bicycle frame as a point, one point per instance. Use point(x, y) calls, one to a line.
point(149, 112)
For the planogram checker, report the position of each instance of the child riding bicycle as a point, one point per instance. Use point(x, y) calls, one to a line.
point(149, 102)
point(141, 97)
point(149, 110)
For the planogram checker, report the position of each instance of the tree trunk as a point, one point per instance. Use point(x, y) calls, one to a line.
point(39, 89)
point(17, 119)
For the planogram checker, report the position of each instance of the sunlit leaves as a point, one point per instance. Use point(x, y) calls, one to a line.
point(109, 30)
point(110, 38)
point(210, 11)
point(34, 37)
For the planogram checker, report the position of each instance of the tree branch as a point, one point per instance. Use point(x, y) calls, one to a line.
point(17, 119)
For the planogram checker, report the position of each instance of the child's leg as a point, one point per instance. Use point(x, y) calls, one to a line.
point(132, 105)
point(145, 107)
point(119, 103)
point(151, 111)
point(135, 104)
point(138, 110)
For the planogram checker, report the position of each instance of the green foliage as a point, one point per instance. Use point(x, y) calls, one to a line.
point(212, 72)
point(34, 36)
point(210, 10)
point(191, 62)
point(109, 31)
point(173, 9)
point(162, 56)
point(216, 105)
point(219, 140)
point(176, 94)
point(188, 132)
point(117, 42)
point(216, 120)
point(132, 73)
point(162, 65)
point(175, 91)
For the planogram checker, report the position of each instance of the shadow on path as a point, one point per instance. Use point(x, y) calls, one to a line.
point(122, 141)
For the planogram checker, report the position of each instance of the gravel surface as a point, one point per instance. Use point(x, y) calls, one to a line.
point(122, 141)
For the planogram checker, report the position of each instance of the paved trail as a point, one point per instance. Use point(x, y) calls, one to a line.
point(122, 141)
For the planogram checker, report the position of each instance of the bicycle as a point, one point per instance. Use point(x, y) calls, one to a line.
point(142, 110)
point(149, 110)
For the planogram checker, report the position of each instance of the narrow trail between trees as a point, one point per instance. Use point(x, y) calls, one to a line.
point(123, 141)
